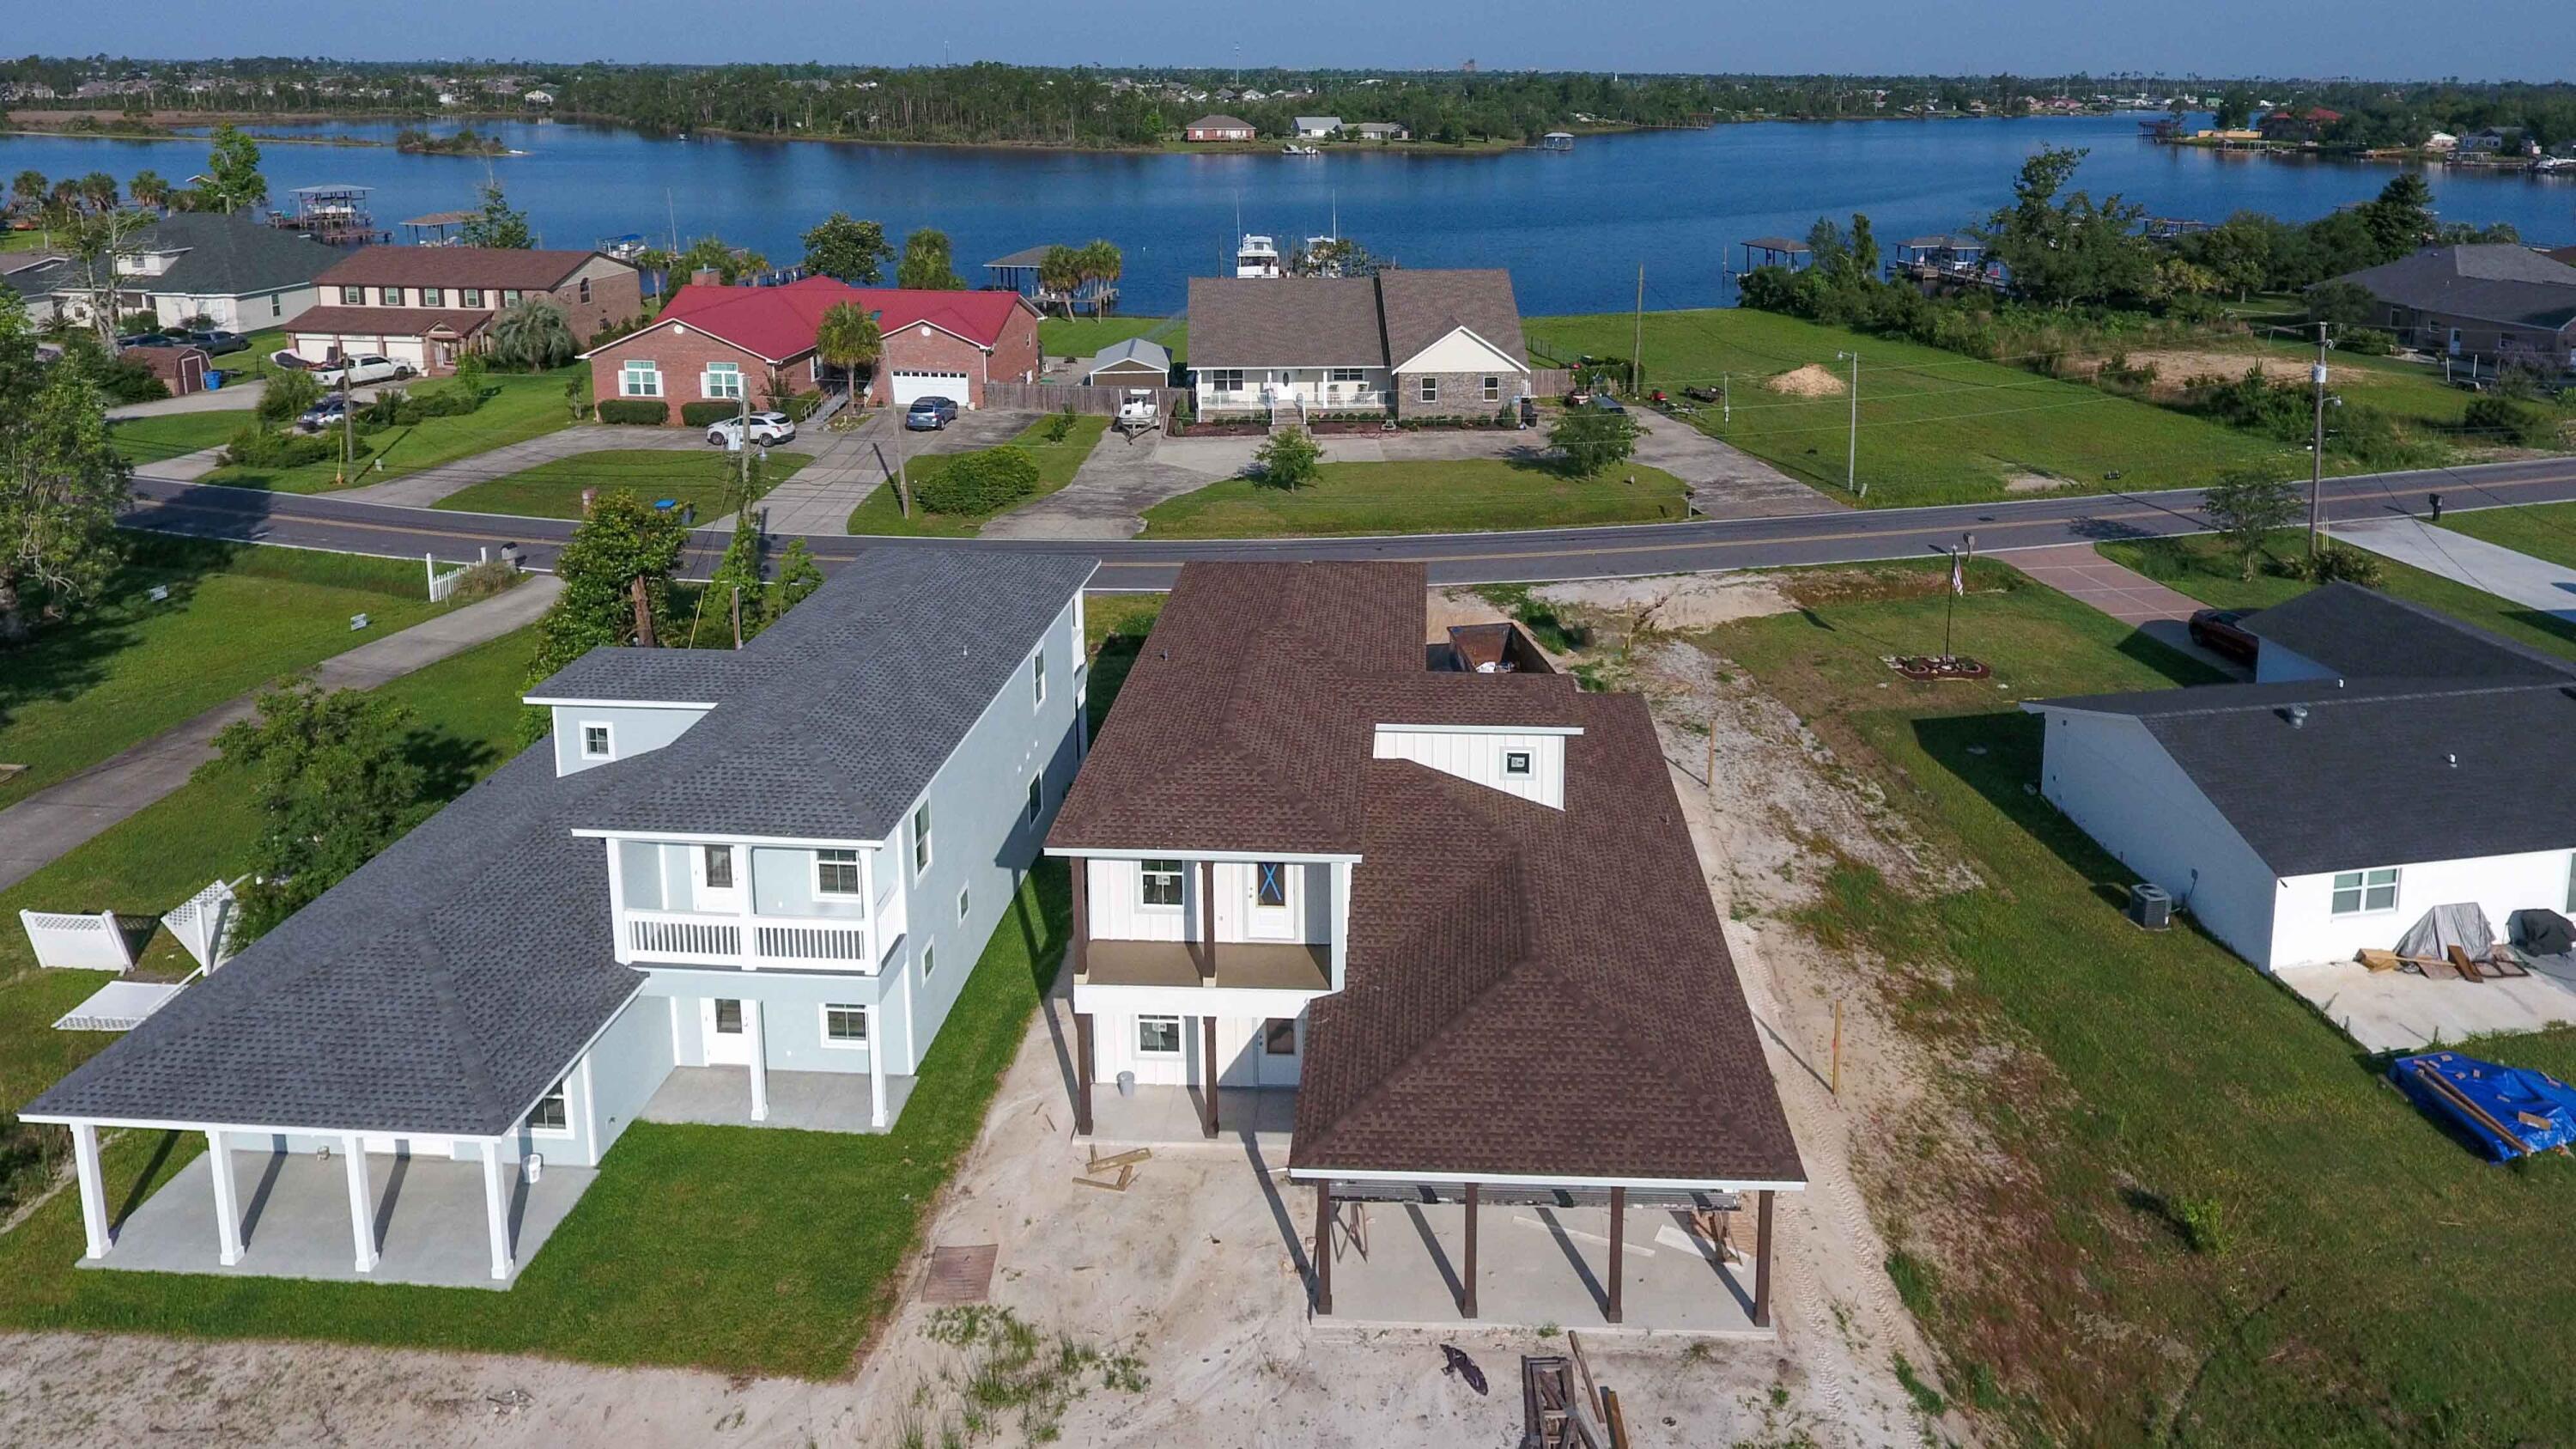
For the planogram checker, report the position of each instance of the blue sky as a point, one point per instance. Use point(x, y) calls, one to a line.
point(2509, 39)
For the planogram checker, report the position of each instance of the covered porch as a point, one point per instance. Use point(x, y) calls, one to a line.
point(1607, 1259)
point(353, 1217)
point(1146, 1116)
point(724, 1096)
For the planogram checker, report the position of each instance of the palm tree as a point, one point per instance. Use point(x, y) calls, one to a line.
point(1102, 263)
point(98, 190)
point(148, 189)
point(1060, 274)
point(847, 338)
point(533, 334)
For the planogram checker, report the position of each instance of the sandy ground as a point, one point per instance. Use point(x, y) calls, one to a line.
point(1197, 1269)
point(1813, 380)
point(2178, 366)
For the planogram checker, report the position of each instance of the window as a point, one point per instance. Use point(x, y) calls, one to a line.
point(639, 377)
point(1279, 1037)
point(963, 902)
point(2361, 892)
point(276, 305)
point(597, 743)
point(722, 380)
point(469, 296)
point(1349, 374)
point(728, 1018)
point(836, 872)
point(509, 296)
point(1493, 389)
point(2571, 883)
point(1037, 797)
point(920, 839)
point(1158, 1036)
point(353, 296)
point(1037, 676)
point(719, 866)
point(1270, 884)
point(433, 296)
point(1161, 882)
point(1518, 763)
point(390, 296)
point(844, 1024)
point(929, 960)
point(584, 289)
point(1430, 389)
point(1226, 379)
point(552, 1114)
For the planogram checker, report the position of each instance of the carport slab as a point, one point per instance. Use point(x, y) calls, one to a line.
point(295, 1210)
point(1537, 1267)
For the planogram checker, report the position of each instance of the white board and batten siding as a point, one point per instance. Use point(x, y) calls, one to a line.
point(1485, 757)
point(1242, 1060)
point(1118, 912)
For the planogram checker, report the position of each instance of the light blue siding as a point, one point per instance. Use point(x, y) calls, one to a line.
point(633, 729)
point(782, 884)
point(630, 1060)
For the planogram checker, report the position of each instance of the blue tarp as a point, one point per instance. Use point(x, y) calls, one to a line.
point(2534, 1106)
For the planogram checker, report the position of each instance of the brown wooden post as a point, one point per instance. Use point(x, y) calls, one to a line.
point(1207, 1068)
point(1081, 916)
point(1467, 1275)
point(1323, 1248)
point(643, 613)
point(1762, 1263)
point(1207, 920)
point(1618, 1247)
point(1083, 1072)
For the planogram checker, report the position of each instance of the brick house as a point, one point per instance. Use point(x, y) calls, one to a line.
point(1218, 128)
point(426, 305)
point(1426, 343)
point(715, 343)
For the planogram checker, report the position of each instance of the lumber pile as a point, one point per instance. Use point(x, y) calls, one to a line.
point(1552, 1416)
point(1114, 1172)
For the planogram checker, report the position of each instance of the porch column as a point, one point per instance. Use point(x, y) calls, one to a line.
point(1081, 873)
point(1083, 1072)
point(93, 1189)
point(1323, 1248)
point(219, 1163)
point(876, 1065)
point(362, 1204)
point(1207, 1068)
point(1618, 1247)
point(757, 1041)
point(1762, 1262)
point(1467, 1274)
point(496, 1209)
point(1207, 922)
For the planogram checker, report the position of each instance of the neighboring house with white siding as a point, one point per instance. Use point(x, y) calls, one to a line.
point(2387, 759)
point(734, 887)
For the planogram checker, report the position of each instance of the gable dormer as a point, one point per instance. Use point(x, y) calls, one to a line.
point(1527, 761)
point(592, 732)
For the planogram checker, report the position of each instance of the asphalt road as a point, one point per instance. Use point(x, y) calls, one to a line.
point(1531, 556)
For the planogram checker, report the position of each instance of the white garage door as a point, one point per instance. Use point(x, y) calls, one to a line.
point(910, 387)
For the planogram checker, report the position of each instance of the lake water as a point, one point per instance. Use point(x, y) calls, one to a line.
point(1572, 228)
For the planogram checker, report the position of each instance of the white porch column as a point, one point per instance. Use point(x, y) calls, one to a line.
point(876, 1065)
point(362, 1206)
point(219, 1162)
point(758, 1042)
point(93, 1189)
point(496, 1209)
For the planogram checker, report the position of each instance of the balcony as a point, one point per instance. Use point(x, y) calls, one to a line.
point(1240, 965)
point(691, 938)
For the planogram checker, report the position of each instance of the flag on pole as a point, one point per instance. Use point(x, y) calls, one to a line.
point(1958, 576)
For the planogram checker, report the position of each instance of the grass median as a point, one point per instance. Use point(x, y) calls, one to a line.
point(1463, 495)
point(553, 490)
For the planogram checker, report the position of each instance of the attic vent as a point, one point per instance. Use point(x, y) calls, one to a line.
point(2451, 760)
point(2297, 715)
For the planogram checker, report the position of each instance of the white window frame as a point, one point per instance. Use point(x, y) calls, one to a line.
point(1520, 764)
point(353, 296)
point(433, 296)
point(1159, 1053)
point(709, 857)
point(921, 853)
point(639, 377)
point(1037, 796)
point(731, 389)
point(1427, 388)
point(469, 297)
point(833, 857)
point(390, 296)
point(1180, 874)
point(1218, 379)
point(965, 901)
point(607, 738)
point(2365, 883)
point(1346, 374)
point(929, 958)
point(1037, 677)
point(560, 1092)
point(2571, 882)
point(1493, 389)
point(823, 1026)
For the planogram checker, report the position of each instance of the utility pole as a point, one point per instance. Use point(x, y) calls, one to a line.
point(2317, 447)
point(1726, 400)
point(348, 422)
point(1637, 349)
point(1851, 455)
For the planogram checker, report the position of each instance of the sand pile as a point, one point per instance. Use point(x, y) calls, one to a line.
point(1812, 380)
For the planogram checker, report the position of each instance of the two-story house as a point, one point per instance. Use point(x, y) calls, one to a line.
point(426, 306)
point(733, 887)
point(1456, 914)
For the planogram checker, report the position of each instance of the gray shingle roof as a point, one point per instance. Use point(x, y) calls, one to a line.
point(2492, 282)
point(1134, 349)
point(2365, 634)
point(231, 256)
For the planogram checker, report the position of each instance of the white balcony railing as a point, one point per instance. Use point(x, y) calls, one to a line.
point(684, 938)
point(678, 936)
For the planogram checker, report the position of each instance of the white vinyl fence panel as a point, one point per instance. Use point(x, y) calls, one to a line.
point(203, 924)
point(82, 943)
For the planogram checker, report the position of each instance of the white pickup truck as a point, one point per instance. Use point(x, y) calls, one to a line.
point(1138, 412)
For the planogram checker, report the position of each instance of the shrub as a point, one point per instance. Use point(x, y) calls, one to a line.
point(287, 396)
point(1288, 460)
point(2366, 342)
point(801, 406)
point(2203, 1224)
point(126, 380)
point(713, 410)
point(2337, 563)
point(1591, 441)
point(2507, 421)
point(979, 483)
point(1059, 425)
point(483, 580)
point(651, 412)
point(259, 448)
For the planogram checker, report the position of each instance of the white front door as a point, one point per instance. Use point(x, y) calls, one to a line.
point(1279, 1048)
point(720, 1026)
point(1270, 902)
point(2455, 342)
point(716, 873)
point(423, 1147)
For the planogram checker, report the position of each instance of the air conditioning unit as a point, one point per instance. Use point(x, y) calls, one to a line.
point(2150, 906)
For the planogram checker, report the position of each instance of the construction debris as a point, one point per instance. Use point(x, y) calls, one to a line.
point(1454, 1360)
point(1097, 1173)
point(1553, 1418)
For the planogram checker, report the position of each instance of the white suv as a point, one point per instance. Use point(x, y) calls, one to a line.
point(360, 370)
point(761, 428)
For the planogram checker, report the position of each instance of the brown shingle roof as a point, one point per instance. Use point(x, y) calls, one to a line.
point(1423, 307)
point(1530, 992)
point(388, 321)
point(1285, 322)
point(520, 270)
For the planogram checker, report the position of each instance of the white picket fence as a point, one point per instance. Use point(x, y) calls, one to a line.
point(443, 584)
point(203, 924)
point(79, 943)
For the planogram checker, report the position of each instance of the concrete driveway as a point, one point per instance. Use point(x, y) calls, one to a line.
point(2534, 583)
point(1725, 482)
point(850, 466)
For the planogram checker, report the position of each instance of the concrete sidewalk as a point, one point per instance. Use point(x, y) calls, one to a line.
point(2514, 577)
point(46, 825)
point(2160, 613)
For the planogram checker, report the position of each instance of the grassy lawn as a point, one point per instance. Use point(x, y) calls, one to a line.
point(2160, 1078)
point(521, 406)
point(1935, 427)
point(236, 617)
point(1085, 336)
point(553, 490)
point(146, 441)
point(882, 513)
point(2543, 530)
point(1460, 495)
point(2199, 566)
